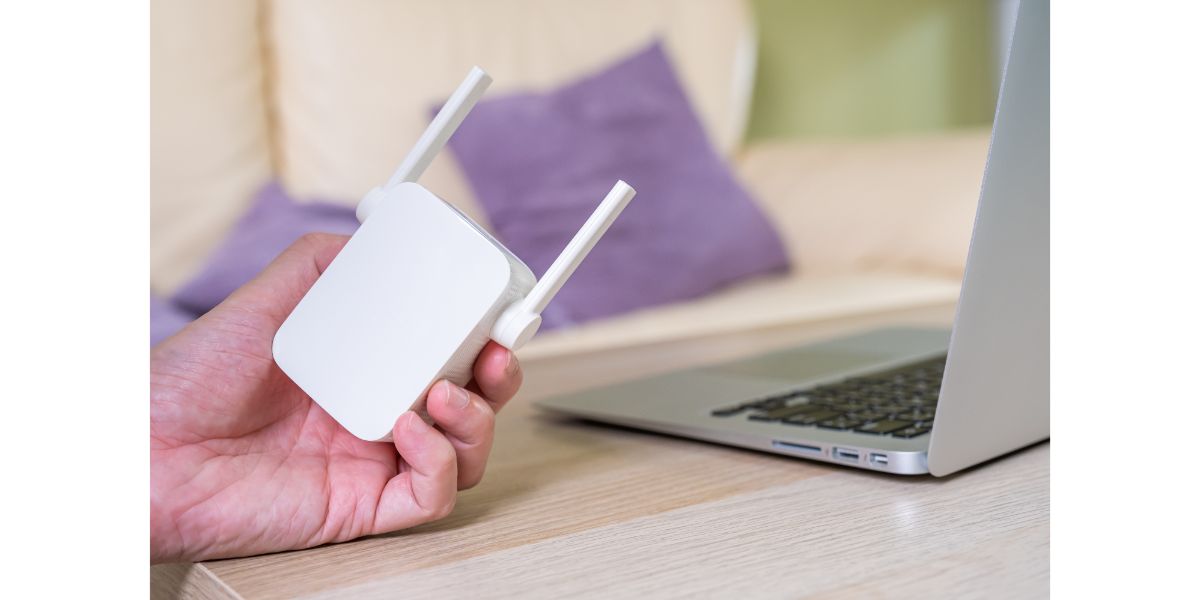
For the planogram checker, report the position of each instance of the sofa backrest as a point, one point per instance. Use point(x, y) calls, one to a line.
point(328, 96)
point(209, 135)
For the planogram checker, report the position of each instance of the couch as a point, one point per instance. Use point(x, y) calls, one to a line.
point(326, 97)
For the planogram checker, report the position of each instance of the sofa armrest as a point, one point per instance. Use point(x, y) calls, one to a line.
point(898, 204)
point(765, 303)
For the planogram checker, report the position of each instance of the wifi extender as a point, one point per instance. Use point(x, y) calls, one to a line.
point(416, 294)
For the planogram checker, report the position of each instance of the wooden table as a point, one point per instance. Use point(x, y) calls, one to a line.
point(574, 509)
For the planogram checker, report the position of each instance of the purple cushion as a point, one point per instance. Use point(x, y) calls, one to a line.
point(166, 318)
point(540, 163)
point(273, 222)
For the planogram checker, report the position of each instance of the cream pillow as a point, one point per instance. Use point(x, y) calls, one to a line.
point(354, 80)
point(209, 149)
point(893, 204)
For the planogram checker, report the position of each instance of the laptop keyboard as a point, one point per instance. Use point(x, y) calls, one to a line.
point(899, 402)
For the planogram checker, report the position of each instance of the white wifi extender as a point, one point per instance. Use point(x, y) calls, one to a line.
point(417, 292)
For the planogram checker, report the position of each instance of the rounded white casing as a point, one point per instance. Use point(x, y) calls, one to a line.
point(417, 292)
point(410, 300)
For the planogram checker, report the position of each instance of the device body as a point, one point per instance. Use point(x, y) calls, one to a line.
point(411, 299)
point(417, 292)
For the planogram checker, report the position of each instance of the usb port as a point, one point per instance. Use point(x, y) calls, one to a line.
point(845, 454)
point(878, 459)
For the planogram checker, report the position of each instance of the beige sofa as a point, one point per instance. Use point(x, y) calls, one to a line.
point(327, 96)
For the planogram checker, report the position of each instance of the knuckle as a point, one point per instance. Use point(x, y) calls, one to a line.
point(443, 509)
point(470, 480)
point(485, 425)
point(446, 459)
point(475, 429)
point(310, 239)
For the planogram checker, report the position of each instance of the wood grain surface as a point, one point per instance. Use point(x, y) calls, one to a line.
point(575, 509)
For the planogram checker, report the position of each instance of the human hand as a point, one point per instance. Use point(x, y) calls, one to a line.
point(244, 462)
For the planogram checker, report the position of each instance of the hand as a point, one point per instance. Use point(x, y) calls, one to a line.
point(243, 462)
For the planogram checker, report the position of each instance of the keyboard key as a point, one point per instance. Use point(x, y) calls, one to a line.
point(848, 407)
point(920, 414)
point(911, 432)
point(868, 415)
point(841, 422)
point(783, 411)
point(773, 401)
point(767, 403)
point(811, 418)
point(728, 411)
point(907, 395)
point(880, 427)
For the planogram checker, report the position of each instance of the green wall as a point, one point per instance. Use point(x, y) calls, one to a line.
point(863, 67)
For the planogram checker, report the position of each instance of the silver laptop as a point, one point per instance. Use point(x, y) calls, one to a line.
point(904, 401)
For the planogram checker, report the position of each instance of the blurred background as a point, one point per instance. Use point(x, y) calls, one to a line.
point(795, 159)
point(868, 67)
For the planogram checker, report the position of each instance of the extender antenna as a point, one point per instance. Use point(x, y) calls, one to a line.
point(521, 320)
point(434, 138)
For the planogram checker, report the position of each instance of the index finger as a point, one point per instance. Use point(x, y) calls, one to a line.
point(498, 375)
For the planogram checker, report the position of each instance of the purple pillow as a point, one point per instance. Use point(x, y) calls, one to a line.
point(273, 222)
point(540, 163)
point(166, 318)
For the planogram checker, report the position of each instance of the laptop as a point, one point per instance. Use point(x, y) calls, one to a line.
point(906, 401)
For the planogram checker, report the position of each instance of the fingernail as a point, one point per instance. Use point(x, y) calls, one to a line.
point(415, 424)
point(511, 366)
point(456, 396)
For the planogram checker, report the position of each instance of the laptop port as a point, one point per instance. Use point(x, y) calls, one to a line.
point(845, 454)
point(878, 459)
point(794, 447)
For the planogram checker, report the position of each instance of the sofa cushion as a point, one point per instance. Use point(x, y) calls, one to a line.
point(898, 204)
point(274, 221)
point(166, 318)
point(767, 303)
point(209, 148)
point(353, 80)
point(539, 163)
